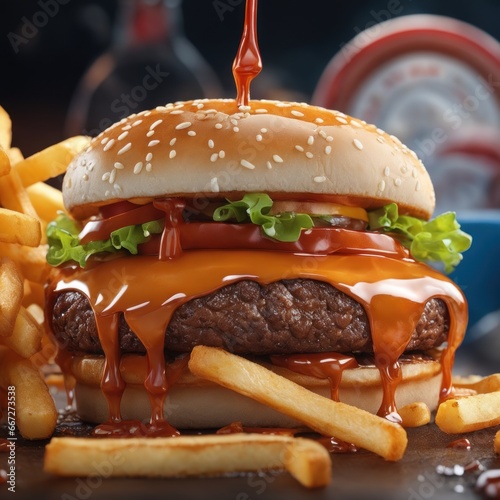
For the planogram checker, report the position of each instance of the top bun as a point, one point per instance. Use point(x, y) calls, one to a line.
point(213, 148)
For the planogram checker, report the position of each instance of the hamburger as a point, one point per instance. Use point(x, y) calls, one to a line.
point(293, 235)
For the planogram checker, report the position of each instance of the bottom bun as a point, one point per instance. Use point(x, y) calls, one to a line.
point(194, 403)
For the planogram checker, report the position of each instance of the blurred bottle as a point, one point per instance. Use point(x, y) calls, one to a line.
point(149, 63)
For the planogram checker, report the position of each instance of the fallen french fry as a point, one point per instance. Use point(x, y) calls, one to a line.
point(185, 456)
point(308, 462)
point(11, 295)
point(321, 414)
point(470, 413)
point(49, 162)
point(415, 414)
point(36, 414)
point(481, 385)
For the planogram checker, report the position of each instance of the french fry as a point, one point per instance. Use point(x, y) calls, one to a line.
point(11, 295)
point(481, 385)
point(470, 413)
point(496, 442)
point(26, 336)
point(46, 200)
point(308, 462)
point(15, 155)
point(5, 129)
point(415, 414)
point(31, 260)
point(36, 414)
point(4, 162)
point(14, 196)
point(19, 228)
point(321, 414)
point(51, 161)
point(189, 456)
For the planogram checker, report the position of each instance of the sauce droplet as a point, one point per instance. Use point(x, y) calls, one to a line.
point(248, 63)
point(462, 443)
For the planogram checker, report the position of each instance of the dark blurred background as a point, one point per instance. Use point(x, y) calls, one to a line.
point(39, 72)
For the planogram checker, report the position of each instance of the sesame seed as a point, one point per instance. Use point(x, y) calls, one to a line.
point(397, 182)
point(310, 140)
point(341, 120)
point(108, 145)
point(147, 113)
point(329, 138)
point(236, 129)
point(214, 157)
point(244, 108)
point(309, 155)
point(380, 131)
point(177, 112)
point(387, 171)
point(172, 141)
point(85, 177)
point(417, 186)
point(119, 165)
point(200, 105)
point(107, 192)
point(112, 176)
point(277, 159)
point(319, 120)
point(414, 173)
point(150, 133)
point(258, 138)
point(149, 167)
point(414, 154)
point(234, 121)
point(183, 125)
point(149, 156)
point(153, 143)
point(299, 148)
point(218, 126)
point(263, 130)
point(91, 166)
point(191, 133)
point(117, 187)
point(296, 113)
point(222, 153)
point(381, 185)
point(162, 109)
point(126, 127)
point(125, 148)
point(137, 122)
point(269, 165)
point(404, 169)
point(211, 144)
point(172, 154)
point(355, 123)
point(261, 110)
point(247, 164)
point(123, 135)
point(322, 133)
point(380, 139)
point(358, 144)
point(214, 185)
point(328, 149)
point(138, 168)
point(155, 124)
point(319, 178)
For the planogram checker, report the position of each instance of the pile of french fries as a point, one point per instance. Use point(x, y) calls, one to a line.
point(27, 204)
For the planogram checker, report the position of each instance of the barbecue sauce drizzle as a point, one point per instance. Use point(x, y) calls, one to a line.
point(393, 290)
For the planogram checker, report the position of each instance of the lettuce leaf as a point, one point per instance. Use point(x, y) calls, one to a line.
point(65, 246)
point(437, 240)
point(255, 207)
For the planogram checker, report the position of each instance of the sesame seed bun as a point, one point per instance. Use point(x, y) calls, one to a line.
point(211, 148)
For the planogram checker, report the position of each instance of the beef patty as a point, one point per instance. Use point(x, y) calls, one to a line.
point(285, 317)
